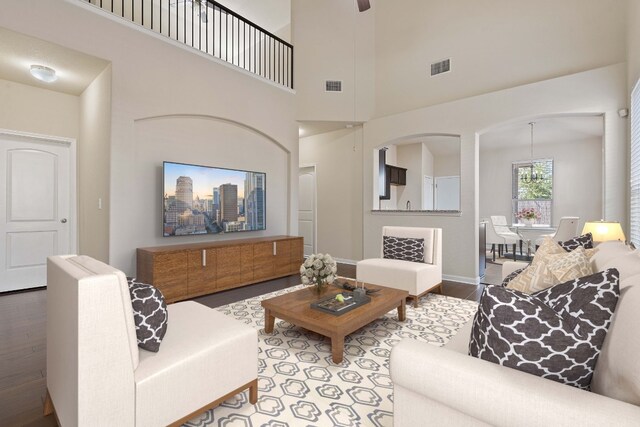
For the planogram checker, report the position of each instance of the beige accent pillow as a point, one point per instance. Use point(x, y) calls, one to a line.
point(548, 247)
point(534, 276)
point(590, 253)
point(569, 266)
point(522, 281)
point(552, 265)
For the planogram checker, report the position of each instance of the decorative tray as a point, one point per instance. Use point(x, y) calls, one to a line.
point(332, 306)
point(349, 287)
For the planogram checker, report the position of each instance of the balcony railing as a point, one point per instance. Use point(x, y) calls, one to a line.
point(213, 29)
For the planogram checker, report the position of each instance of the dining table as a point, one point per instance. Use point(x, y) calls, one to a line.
point(529, 234)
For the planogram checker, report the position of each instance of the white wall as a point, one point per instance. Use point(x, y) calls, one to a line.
point(447, 165)
point(494, 45)
point(601, 90)
point(633, 43)
point(333, 41)
point(577, 179)
point(93, 167)
point(31, 109)
point(210, 142)
point(338, 160)
point(153, 77)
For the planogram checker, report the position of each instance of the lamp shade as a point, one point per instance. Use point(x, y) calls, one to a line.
point(603, 231)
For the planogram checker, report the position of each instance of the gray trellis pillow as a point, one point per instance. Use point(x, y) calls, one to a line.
point(556, 333)
point(403, 248)
point(149, 314)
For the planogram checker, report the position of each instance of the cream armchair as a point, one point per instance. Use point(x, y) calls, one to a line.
point(418, 278)
point(96, 375)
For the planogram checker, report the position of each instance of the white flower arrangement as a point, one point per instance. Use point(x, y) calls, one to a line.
point(318, 269)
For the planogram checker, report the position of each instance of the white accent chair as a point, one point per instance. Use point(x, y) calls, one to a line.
point(97, 375)
point(418, 278)
point(567, 229)
point(498, 233)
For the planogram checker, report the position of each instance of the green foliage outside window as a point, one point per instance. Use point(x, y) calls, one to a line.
point(539, 189)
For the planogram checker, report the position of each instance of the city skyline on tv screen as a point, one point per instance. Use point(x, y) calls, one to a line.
point(211, 200)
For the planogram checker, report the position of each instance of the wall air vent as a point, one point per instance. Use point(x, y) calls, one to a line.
point(440, 67)
point(333, 85)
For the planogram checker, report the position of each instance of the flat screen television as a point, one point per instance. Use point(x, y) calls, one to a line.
point(211, 200)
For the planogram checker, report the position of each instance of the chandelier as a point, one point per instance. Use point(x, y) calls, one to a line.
point(532, 175)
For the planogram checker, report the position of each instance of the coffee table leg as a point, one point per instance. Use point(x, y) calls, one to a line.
point(402, 311)
point(269, 321)
point(337, 349)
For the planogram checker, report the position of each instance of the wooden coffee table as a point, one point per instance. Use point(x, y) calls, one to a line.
point(295, 308)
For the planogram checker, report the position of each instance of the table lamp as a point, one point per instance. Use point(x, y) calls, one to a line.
point(603, 231)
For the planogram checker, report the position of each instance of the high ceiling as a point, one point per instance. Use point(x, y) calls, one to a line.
point(75, 70)
point(272, 15)
point(547, 130)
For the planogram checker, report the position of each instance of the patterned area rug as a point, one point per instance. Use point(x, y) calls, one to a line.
point(298, 383)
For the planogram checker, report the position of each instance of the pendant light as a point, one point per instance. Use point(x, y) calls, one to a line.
point(533, 176)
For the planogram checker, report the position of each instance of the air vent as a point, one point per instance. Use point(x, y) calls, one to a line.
point(440, 67)
point(333, 86)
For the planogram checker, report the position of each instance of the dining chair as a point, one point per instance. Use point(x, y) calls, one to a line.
point(498, 233)
point(567, 229)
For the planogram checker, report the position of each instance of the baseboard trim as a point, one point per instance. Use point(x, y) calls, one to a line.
point(462, 279)
point(346, 261)
point(340, 260)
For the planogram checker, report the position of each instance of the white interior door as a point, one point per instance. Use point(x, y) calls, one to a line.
point(36, 220)
point(427, 193)
point(307, 208)
point(447, 193)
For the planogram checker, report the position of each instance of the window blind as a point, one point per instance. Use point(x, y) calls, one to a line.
point(635, 167)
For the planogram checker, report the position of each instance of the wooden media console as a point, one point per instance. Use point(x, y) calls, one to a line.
point(190, 270)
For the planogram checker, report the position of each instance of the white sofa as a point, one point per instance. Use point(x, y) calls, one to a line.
point(444, 386)
point(97, 375)
point(415, 277)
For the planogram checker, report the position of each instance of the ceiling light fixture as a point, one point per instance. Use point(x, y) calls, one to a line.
point(533, 176)
point(44, 74)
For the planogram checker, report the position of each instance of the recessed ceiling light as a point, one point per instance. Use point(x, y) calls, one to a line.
point(43, 73)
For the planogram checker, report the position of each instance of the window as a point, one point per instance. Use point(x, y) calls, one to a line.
point(634, 208)
point(532, 187)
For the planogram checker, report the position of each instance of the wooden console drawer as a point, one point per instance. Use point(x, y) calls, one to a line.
point(190, 270)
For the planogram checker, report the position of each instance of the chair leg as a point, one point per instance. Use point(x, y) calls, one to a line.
point(514, 252)
point(520, 247)
point(415, 301)
point(253, 392)
point(493, 251)
point(48, 405)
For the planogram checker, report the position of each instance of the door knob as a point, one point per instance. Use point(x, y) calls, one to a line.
point(63, 220)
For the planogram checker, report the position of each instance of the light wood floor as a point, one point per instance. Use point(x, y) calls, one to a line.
point(23, 343)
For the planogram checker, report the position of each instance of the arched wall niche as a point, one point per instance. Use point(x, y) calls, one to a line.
point(207, 141)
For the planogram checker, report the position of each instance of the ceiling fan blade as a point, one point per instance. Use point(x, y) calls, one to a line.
point(363, 5)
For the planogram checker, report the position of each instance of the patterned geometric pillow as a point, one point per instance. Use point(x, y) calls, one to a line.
point(403, 248)
point(556, 333)
point(569, 266)
point(586, 241)
point(552, 266)
point(149, 314)
point(534, 277)
point(511, 276)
